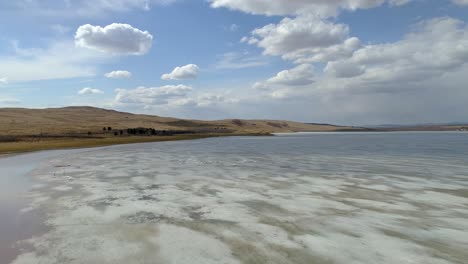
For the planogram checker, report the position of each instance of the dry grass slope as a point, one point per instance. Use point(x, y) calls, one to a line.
point(23, 130)
point(60, 121)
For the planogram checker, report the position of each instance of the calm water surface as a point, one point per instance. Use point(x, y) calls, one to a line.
point(292, 198)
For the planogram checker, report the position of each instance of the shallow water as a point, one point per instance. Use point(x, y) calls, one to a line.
point(308, 198)
point(14, 186)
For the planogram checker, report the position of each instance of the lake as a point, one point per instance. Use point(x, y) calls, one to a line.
point(292, 198)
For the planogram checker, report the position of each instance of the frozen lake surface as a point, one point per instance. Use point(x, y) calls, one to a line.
point(307, 198)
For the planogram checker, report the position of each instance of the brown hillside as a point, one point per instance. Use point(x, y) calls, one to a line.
point(57, 121)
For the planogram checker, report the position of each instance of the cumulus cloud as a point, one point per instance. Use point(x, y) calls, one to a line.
point(186, 72)
point(118, 74)
point(117, 39)
point(304, 39)
point(405, 81)
point(389, 67)
point(344, 69)
point(89, 90)
point(299, 76)
point(3, 80)
point(434, 48)
point(151, 96)
point(321, 8)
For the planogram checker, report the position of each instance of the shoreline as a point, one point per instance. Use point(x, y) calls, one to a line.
point(8, 149)
point(12, 148)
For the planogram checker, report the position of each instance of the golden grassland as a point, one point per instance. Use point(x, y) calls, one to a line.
point(25, 130)
point(73, 120)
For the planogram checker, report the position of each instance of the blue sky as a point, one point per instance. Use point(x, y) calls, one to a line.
point(370, 62)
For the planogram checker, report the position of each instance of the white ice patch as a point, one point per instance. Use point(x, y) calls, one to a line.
point(175, 204)
point(372, 248)
point(182, 245)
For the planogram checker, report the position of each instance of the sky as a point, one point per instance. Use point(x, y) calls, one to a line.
point(353, 62)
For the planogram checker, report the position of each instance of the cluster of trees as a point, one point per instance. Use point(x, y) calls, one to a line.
point(153, 132)
point(142, 131)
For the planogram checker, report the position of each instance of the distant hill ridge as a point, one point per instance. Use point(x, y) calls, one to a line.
point(84, 119)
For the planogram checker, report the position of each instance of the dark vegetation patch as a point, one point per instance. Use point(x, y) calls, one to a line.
point(264, 207)
point(101, 204)
point(195, 213)
point(148, 198)
point(187, 123)
point(142, 131)
point(144, 218)
point(238, 122)
point(8, 139)
point(278, 125)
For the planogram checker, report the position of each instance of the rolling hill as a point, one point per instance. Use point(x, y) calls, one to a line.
point(76, 120)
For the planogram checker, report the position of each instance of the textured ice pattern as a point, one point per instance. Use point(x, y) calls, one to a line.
point(250, 200)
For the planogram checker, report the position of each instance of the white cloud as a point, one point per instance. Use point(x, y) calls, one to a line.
point(322, 8)
point(421, 78)
point(172, 98)
point(236, 60)
point(304, 39)
point(186, 72)
point(151, 96)
point(460, 2)
point(299, 76)
point(58, 61)
point(204, 100)
point(343, 69)
point(325, 54)
point(3, 80)
point(118, 74)
point(434, 48)
point(88, 90)
point(118, 39)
